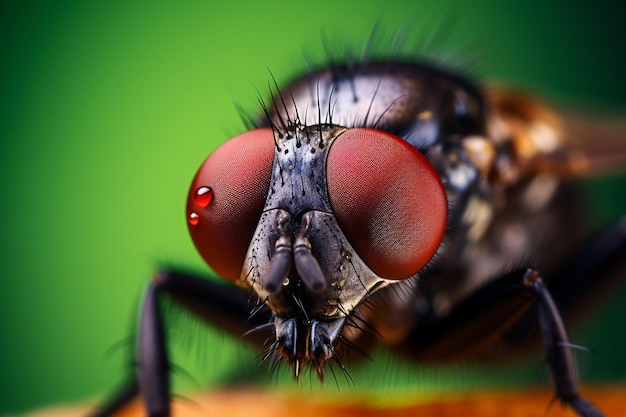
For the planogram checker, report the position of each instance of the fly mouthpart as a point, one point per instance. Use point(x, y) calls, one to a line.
point(303, 343)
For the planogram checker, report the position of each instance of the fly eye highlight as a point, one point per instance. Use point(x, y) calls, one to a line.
point(388, 200)
point(226, 199)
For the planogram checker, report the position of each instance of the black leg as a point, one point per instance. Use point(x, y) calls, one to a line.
point(153, 365)
point(477, 324)
point(558, 353)
point(225, 306)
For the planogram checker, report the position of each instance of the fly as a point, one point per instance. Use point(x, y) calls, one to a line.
point(393, 187)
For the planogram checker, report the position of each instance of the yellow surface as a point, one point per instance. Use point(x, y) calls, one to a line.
point(259, 403)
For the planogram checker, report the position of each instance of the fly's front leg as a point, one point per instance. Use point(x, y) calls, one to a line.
point(225, 306)
point(152, 377)
point(153, 364)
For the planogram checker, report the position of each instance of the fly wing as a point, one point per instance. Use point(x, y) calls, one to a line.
point(542, 153)
point(531, 138)
point(596, 145)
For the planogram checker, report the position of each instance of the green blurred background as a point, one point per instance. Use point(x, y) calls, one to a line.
point(107, 109)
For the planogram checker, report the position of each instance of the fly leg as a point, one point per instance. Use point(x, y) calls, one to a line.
point(558, 353)
point(224, 306)
point(474, 327)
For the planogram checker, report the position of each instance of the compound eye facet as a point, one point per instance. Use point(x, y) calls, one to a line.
point(226, 199)
point(388, 200)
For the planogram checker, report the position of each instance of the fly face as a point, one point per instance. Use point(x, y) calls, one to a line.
point(330, 232)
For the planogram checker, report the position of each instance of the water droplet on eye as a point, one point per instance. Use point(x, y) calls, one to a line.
point(203, 196)
point(193, 219)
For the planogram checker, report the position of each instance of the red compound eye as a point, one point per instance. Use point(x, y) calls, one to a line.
point(388, 200)
point(226, 199)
